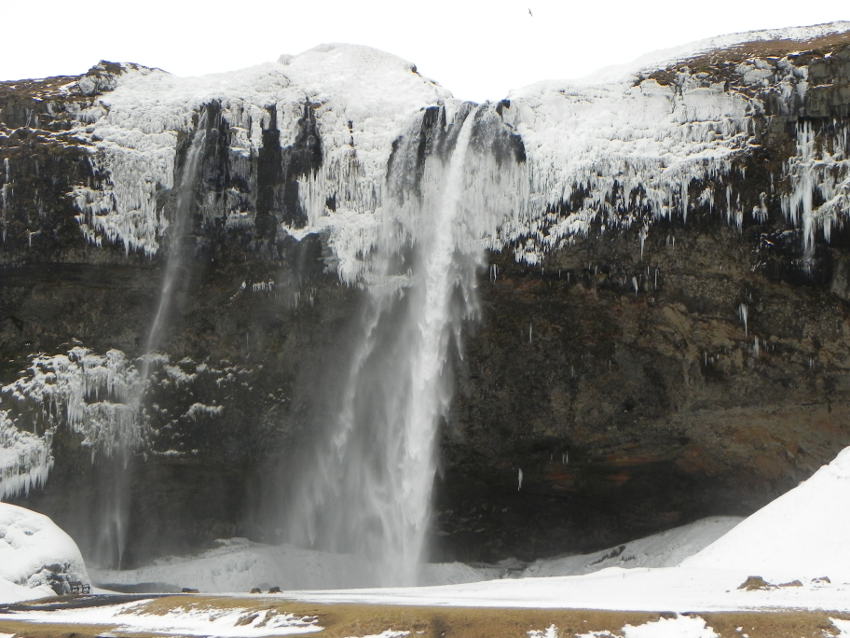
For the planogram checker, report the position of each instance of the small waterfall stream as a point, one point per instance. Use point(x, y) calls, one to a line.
point(113, 504)
point(367, 490)
point(174, 265)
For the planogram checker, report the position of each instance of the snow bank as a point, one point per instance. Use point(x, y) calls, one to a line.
point(37, 558)
point(803, 533)
point(678, 627)
point(666, 549)
point(192, 620)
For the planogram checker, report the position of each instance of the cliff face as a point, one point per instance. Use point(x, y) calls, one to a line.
point(662, 322)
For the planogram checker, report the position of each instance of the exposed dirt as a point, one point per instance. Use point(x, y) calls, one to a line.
point(797, 50)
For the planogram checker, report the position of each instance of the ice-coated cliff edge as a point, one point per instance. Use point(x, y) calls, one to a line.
point(621, 152)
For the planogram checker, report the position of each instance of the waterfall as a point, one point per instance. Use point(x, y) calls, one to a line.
point(174, 265)
point(367, 489)
point(112, 506)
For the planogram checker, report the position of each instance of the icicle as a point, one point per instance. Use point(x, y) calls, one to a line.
point(729, 210)
point(519, 480)
point(26, 460)
point(742, 315)
point(760, 211)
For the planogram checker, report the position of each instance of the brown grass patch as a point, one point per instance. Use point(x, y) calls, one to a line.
point(710, 61)
point(23, 629)
point(341, 620)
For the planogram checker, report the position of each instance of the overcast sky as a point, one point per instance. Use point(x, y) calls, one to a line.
point(478, 49)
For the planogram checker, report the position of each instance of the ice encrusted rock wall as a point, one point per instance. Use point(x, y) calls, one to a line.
point(613, 154)
point(303, 146)
point(612, 360)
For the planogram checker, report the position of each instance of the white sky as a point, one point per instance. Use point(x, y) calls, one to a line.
point(478, 49)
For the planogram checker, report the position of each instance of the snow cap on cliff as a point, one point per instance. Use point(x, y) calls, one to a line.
point(363, 76)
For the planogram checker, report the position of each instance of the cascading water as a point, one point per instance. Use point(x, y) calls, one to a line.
point(113, 505)
point(174, 264)
point(368, 489)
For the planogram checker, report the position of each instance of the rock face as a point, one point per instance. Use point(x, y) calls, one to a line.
point(663, 322)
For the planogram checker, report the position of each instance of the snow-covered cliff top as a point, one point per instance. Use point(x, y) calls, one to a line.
point(662, 58)
point(615, 138)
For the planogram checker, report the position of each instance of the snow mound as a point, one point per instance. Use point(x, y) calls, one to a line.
point(665, 549)
point(678, 627)
point(364, 77)
point(238, 565)
point(802, 533)
point(37, 558)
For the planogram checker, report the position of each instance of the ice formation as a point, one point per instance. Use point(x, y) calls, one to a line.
point(620, 149)
point(361, 99)
point(818, 172)
point(98, 398)
point(25, 459)
point(92, 394)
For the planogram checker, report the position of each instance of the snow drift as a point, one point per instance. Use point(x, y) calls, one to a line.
point(802, 533)
point(37, 558)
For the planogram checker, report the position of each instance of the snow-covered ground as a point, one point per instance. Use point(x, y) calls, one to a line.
point(135, 618)
point(238, 565)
